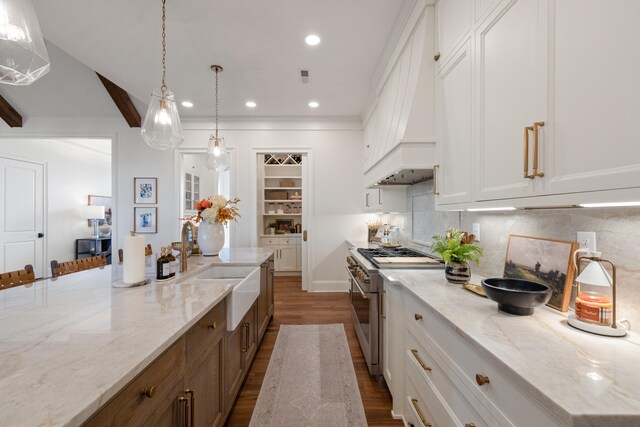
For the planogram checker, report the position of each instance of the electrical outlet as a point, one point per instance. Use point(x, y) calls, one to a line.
point(587, 240)
point(476, 231)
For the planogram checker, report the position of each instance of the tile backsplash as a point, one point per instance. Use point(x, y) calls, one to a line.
point(617, 229)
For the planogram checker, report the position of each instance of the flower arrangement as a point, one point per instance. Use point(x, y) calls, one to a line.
point(216, 209)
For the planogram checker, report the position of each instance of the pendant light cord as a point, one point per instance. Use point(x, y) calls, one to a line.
point(163, 88)
point(216, 105)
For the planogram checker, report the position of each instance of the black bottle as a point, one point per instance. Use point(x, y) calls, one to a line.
point(163, 266)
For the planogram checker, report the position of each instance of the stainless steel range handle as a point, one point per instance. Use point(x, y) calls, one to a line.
point(364, 296)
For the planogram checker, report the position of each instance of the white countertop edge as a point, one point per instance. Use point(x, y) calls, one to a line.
point(583, 419)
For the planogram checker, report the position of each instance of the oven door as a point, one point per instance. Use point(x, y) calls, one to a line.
point(365, 318)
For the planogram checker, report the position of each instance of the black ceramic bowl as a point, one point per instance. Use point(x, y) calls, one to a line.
point(516, 296)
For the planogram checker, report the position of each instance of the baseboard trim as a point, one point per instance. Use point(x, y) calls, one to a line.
point(396, 416)
point(330, 286)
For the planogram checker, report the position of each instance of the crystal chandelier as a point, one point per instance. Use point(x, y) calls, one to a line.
point(23, 55)
point(161, 128)
point(217, 156)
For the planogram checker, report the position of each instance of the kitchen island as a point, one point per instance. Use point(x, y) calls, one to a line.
point(538, 369)
point(68, 345)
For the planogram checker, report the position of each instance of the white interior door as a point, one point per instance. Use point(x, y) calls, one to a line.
point(21, 215)
point(307, 207)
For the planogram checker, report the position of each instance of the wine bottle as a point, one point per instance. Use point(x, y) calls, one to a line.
point(163, 266)
point(172, 262)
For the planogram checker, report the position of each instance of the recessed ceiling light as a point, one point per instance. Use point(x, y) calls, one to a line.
point(251, 104)
point(312, 40)
point(187, 104)
point(314, 104)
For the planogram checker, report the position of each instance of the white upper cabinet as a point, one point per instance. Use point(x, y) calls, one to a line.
point(597, 97)
point(453, 174)
point(554, 102)
point(511, 59)
point(454, 23)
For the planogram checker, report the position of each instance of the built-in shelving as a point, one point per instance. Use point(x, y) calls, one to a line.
point(280, 189)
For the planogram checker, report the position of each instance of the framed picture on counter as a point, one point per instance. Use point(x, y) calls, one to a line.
point(145, 220)
point(544, 261)
point(145, 191)
point(284, 226)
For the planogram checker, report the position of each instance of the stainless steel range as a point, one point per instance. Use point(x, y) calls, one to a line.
point(363, 266)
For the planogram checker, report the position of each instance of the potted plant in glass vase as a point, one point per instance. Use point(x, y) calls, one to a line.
point(456, 249)
point(214, 213)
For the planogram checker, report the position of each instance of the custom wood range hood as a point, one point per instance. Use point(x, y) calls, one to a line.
point(399, 130)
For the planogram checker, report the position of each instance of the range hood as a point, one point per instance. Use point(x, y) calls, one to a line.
point(407, 177)
point(401, 123)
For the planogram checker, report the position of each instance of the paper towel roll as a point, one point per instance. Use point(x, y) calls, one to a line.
point(133, 253)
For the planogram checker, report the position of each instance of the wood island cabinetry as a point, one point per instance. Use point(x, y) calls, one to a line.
point(196, 380)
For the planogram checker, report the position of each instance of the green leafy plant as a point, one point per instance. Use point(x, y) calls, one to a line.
point(453, 247)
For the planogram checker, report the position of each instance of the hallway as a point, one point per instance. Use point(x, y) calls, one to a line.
point(297, 308)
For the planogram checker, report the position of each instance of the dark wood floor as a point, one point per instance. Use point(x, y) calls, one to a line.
point(294, 307)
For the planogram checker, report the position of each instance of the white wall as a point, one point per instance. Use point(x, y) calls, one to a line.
point(72, 173)
point(336, 153)
point(131, 158)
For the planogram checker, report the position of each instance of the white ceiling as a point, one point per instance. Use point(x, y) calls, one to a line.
point(259, 43)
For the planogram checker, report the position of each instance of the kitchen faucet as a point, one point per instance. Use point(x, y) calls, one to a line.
point(183, 245)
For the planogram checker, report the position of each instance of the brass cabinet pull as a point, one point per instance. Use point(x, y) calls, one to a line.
point(436, 168)
point(248, 335)
point(469, 425)
point(185, 409)
point(526, 152)
point(436, 56)
point(245, 333)
point(418, 316)
point(213, 325)
point(482, 379)
point(536, 154)
point(424, 366)
point(191, 405)
point(425, 423)
point(382, 304)
point(149, 391)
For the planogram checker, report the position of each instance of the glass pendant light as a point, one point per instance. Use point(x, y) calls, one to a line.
point(217, 157)
point(23, 55)
point(161, 128)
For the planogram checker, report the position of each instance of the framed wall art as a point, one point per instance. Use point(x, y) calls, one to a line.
point(145, 220)
point(544, 261)
point(145, 191)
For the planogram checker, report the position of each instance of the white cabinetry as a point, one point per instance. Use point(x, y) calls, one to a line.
point(511, 59)
point(593, 141)
point(454, 24)
point(437, 377)
point(538, 61)
point(287, 253)
point(387, 200)
point(393, 326)
point(453, 174)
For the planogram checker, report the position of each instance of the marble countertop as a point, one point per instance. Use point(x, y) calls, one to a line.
point(584, 379)
point(68, 345)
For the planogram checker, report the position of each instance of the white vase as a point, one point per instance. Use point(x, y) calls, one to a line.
point(210, 237)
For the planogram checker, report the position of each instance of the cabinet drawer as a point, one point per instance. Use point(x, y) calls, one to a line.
point(132, 406)
point(416, 411)
point(270, 241)
point(450, 406)
point(503, 397)
point(206, 332)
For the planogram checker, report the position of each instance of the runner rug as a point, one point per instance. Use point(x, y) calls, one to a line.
point(310, 380)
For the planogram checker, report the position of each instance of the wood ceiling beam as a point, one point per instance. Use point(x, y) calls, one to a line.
point(9, 114)
point(123, 101)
